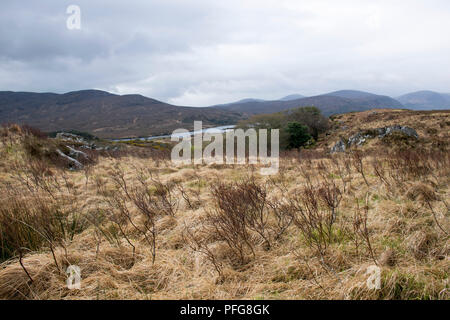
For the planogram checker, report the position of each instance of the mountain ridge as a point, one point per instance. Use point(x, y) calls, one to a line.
point(425, 99)
point(294, 96)
point(110, 115)
point(330, 103)
point(105, 114)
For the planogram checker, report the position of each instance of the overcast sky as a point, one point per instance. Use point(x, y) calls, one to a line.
point(203, 52)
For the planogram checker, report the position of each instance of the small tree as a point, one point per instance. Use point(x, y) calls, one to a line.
point(298, 135)
point(310, 117)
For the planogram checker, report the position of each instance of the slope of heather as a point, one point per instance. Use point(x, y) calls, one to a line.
point(433, 127)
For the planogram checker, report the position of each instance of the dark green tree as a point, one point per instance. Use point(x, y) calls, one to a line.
point(310, 117)
point(298, 135)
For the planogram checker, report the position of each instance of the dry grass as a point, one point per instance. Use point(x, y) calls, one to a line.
point(148, 230)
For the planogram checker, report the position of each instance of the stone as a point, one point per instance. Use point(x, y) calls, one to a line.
point(339, 147)
point(69, 137)
point(74, 164)
point(361, 137)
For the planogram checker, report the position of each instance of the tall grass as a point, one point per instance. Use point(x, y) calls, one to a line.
point(141, 228)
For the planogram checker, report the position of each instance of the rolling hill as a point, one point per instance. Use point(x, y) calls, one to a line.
point(330, 103)
point(104, 114)
point(292, 97)
point(108, 115)
point(352, 94)
point(247, 100)
point(426, 100)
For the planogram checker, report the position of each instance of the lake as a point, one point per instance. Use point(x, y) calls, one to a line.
point(220, 129)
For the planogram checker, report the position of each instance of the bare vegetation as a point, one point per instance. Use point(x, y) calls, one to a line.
point(140, 228)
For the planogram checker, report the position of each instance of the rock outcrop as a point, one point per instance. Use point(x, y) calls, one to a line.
point(340, 146)
point(74, 157)
point(77, 154)
point(361, 137)
point(69, 137)
point(73, 163)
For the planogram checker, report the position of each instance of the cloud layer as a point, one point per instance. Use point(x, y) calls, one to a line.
point(192, 52)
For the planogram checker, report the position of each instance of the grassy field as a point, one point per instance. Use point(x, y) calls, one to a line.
point(140, 228)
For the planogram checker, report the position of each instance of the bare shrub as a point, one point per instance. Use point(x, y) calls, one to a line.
point(244, 207)
point(380, 171)
point(228, 219)
point(314, 223)
point(342, 171)
point(34, 147)
point(151, 197)
point(30, 222)
point(163, 198)
point(191, 197)
point(37, 175)
point(254, 198)
point(414, 164)
point(331, 196)
point(119, 215)
point(198, 240)
point(360, 227)
point(359, 164)
point(283, 217)
point(428, 201)
point(32, 131)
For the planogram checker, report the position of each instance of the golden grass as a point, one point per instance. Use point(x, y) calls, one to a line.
point(408, 245)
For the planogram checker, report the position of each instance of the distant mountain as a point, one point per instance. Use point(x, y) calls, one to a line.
point(108, 115)
point(104, 114)
point(249, 100)
point(292, 97)
point(331, 103)
point(239, 102)
point(367, 99)
point(426, 100)
point(351, 94)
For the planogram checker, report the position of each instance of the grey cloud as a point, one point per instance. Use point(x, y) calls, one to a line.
point(199, 52)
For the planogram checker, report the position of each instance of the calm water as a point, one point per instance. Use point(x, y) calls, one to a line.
point(220, 129)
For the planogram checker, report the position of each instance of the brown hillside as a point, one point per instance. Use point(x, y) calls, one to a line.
point(431, 126)
point(104, 114)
